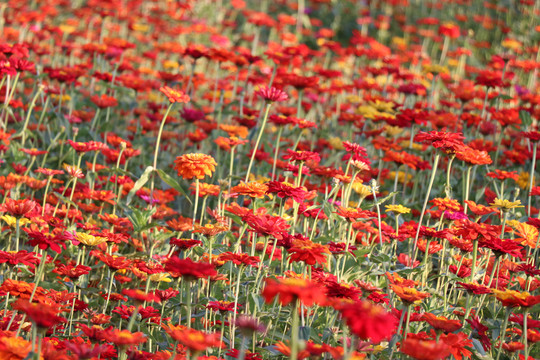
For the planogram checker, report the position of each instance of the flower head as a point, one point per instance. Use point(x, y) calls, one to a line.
point(368, 321)
point(191, 166)
point(174, 95)
point(271, 94)
point(289, 290)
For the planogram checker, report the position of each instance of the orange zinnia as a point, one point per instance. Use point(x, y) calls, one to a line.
point(409, 295)
point(174, 95)
point(442, 322)
point(196, 341)
point(289, 290)
point(251, 189)
point(210, 229)
point(189, 166)
point(309, 252)
point(14, 348)
point(512, 298)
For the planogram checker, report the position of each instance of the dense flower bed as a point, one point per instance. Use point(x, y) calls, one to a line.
point(250, 180)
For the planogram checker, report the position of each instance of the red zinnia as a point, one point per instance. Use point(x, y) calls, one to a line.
point(189, 269)
point(446, 141)
point(442, 323)
point(425, 349)
point(289, 290)
point(43, 315)
point(369, 321)
point(174, 95)
point(19, 208)
point(271, 94)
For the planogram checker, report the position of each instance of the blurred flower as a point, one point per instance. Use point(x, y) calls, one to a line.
point(174, 95)
point(368, 321)
point(289, 290)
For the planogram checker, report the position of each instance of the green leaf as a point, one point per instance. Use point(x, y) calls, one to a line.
point(304, 332)
point(140, 219)
point(525, 117)
point(67, 201)
point(139, 183)
point(361, 252)
point(379, 259)
point(169, 180)
point(381, 201)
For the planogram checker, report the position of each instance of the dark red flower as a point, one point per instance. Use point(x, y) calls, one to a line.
point(368, 321)
point(43, 315)
point(266, 225)
point(284, 190)
point(446, 141)
point(189, 269)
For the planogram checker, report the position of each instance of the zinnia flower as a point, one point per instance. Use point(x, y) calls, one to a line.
point(425, 349)
point(368, 321)
point(189, 269)
point(271, 94)
point(446, 141)
point(196, 341)
point(174, 95)
point(189, 166)
point(19, 208)
point(44, 316)
point(441, 322)
point(289, 290)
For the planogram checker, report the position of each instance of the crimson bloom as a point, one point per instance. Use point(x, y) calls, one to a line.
point(289, 290)
point(446, 141)
point(139, 296)
point(20, 257)
point(283, 190)
point(425, 349)
point(189, 269)
point(302, 156)
point(266, 225)
point(368, 321)
point(481, 330)
point(43, 315)
point(19, 208)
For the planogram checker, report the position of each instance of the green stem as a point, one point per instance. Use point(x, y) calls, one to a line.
point(261, 131)
point(32, 104)
point(392, 344)
point(531, 178)
point(503, 332)
point(467, 186)
point(196, 202)
point(294, 333)
point(475, 256)
point(524, 334)
point(431, 180)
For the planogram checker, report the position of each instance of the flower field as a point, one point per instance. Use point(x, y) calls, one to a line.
point(257, 179)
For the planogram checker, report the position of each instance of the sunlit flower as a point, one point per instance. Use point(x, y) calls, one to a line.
point(198, 166)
